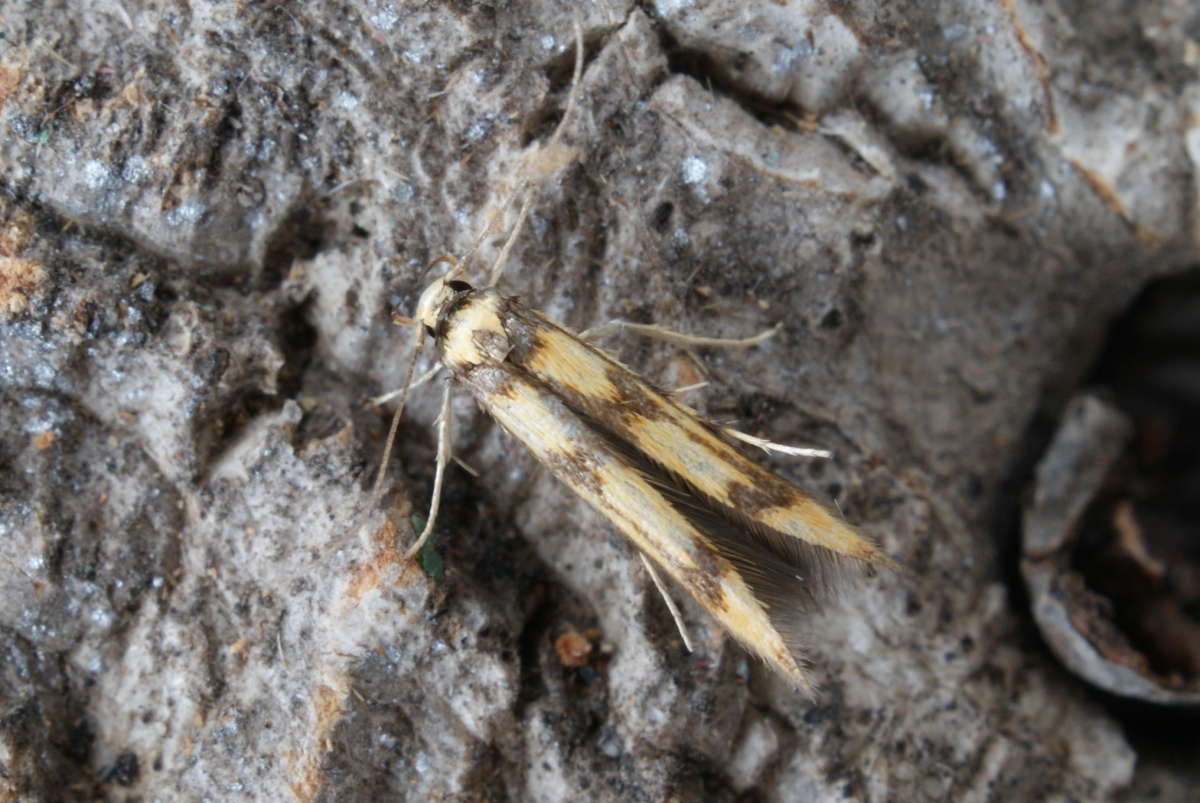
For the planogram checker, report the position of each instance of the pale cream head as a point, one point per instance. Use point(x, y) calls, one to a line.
point(432, 299)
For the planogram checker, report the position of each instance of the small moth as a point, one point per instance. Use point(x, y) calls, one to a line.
point(752, 548)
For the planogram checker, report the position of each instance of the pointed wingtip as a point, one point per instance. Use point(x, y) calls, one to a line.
point(883, 561)
point(801, 682)
point(877, 558)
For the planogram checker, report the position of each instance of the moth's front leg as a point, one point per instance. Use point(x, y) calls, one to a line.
point(444, 452)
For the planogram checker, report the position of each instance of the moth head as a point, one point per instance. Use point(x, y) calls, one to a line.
point(434, 299)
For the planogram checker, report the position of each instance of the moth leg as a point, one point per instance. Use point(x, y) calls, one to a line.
point(379, 401)
point(502, 259)
point(619, 326)
point(675, 614)
point(771, 446)
point(465, 466)
point(389, 442)
point(443, 458)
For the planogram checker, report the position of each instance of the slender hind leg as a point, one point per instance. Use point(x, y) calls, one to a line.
point(619, 326)
point(675, 613)
point(382, 399)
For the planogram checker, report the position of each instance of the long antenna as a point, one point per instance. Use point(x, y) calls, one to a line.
point(523, 187)
point(418, 347)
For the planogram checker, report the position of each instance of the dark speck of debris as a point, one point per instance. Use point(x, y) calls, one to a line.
point(124, 770)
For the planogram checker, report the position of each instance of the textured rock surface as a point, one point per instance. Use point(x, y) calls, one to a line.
point(209, 208)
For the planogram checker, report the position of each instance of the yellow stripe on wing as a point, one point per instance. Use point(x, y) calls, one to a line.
point(581, 458)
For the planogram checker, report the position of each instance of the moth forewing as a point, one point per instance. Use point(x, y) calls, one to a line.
point(673, 435)
point(748, 545)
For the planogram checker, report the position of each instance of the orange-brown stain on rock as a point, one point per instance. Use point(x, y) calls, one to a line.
point(369, 575)
point(1025, 42)
point(15, 234)
point(327, 708)
point(9, 78)
point(1108, 194)
point(20, 279)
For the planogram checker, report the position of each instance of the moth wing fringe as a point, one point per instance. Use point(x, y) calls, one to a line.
point(790, 579)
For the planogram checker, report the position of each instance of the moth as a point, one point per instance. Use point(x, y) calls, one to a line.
point(754, 550)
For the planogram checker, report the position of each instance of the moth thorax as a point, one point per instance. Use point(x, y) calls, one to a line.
point(473, 331)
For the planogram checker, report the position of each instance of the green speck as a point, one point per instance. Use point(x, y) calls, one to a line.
point(431, 560)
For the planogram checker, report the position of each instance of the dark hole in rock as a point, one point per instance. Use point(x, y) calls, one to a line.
point(1139, 543)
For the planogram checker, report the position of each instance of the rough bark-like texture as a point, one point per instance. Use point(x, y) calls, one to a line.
point(209, 209)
